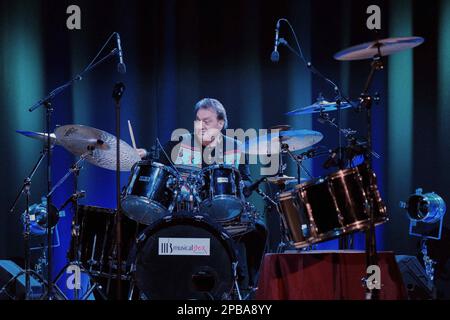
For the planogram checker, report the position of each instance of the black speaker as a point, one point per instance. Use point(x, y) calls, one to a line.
point(15, 289)
point(417, 284)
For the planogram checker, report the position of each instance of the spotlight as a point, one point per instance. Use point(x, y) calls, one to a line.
point(424, 208)
point(39, 217)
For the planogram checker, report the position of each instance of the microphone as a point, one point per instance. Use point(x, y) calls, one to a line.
point(121, 68)
point(275, 56)
point(247, 191)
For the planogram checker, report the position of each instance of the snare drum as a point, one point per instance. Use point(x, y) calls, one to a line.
point(324, 209)
point(150, 194)
point(221, 192)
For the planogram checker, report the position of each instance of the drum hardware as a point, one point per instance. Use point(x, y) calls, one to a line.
point(49, 223)
point(75, 169)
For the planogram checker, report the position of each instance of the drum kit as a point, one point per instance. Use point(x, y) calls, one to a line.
point(180, 223)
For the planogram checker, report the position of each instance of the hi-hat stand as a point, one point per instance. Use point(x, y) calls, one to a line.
point(366, 103)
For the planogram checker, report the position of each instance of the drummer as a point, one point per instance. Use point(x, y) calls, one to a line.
point(206, 146)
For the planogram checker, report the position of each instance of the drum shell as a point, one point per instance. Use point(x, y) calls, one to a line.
point(323, 209)
point(221, 192)
point(97, 240)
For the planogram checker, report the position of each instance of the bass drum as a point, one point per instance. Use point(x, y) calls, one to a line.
point(185, 257)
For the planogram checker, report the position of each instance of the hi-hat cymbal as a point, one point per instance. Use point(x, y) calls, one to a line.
point(271, 142)
point(369, 50)
point(39, 136)
point(319, 106)
point(79, 139)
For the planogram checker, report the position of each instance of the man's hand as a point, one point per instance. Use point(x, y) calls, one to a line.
point(142, 152)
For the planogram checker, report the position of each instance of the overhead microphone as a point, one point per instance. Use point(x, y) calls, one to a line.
point(121, 68)
point(275, 56)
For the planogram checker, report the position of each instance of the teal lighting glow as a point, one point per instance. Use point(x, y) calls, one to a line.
point(22, 76)
point(444, 80)
point(400, 99)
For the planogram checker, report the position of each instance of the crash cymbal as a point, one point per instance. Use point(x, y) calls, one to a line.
point(319, 106)
point(369, 50)
point(270, 143)
point(79, 139)
point(39, 136)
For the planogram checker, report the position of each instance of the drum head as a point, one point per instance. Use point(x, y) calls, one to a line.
point(142, 209)
point(222, 208)
point(184, 257)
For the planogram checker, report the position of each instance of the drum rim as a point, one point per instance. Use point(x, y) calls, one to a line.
point(312, 182)
point(157, 165)
point(220, 166)
point(337, 232)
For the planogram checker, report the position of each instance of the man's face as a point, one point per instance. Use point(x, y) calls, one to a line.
point(206, 125)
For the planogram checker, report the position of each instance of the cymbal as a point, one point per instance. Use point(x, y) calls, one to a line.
point(79, 139)
point(368, 50)
point(319, 106)
point(39, 136)
point(295, 139)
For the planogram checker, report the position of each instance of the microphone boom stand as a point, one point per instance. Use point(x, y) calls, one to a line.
point(49, 109)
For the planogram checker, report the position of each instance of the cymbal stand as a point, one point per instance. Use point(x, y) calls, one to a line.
point(298, 161)
point(366, 103)
point(284, 241)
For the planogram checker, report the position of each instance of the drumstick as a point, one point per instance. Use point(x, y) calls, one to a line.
point(130, 128)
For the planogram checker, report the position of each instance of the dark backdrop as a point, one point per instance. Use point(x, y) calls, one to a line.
point(180, 51)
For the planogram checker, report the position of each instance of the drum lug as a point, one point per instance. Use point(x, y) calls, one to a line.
point(236, 285)
point(141, 238)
